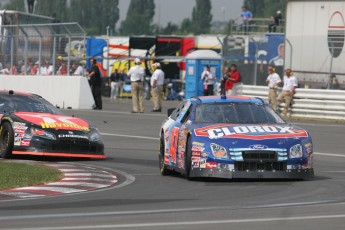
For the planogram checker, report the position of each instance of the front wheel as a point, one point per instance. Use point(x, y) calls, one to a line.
point(162, 167)
point(6, 140)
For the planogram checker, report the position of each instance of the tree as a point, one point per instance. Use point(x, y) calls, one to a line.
point(169, 29)
point(15, 5)
point(187, 26)
point(202, 17)
point(265, 8)
point(139, 18)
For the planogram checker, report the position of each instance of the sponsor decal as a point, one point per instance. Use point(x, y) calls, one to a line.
point(250, 132)
point(194, 153)
point(198, 144)
point(72, 136)
point(204, 154)
point(195, 158)
point(18, 124)
point(195, 164)
point(211, 165)
point(25, 143)
point(53, 121)
point(17, 141)
point(27, 136)
point(197, 148)
point(258, 147)
point(203, 163)
point(166, 160)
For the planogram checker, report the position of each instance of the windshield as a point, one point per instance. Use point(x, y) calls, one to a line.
point(24, 103)
point(236, 113)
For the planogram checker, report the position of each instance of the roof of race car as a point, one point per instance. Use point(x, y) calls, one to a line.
point(234, 99)
point(11, 92)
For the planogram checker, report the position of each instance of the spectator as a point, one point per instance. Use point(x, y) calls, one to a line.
point(286, 95)
point(234, 77)
point(223, 80)
point(273, 80)
point(114, 82)
point(276, 22)
point(34, 68)
point(96, 83)
point(334, 84)
point(157, 81)
point(208, 79)
point(62, 69)
point(47, 69)
point(8, 70)
point(246, 16)
point(137, 74)
point(78, 69)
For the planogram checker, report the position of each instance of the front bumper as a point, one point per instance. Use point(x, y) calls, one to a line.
point(287, 174)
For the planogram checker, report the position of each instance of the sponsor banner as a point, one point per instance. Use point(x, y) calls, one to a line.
point(25, 143)
point(211, 165)
point(254, 132)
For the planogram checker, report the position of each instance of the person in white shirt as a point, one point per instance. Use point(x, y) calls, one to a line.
point(208, 78)
point(286, 95)
point(272, 81)
point(47, 69)
point(78, 69)
point(157, 82)
point(137, 74)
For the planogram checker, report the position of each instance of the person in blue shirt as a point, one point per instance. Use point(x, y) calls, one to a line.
point(246, 16)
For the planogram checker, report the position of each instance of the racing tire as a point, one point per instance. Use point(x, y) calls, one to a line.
point(6, 140)
point(188, 159)
point(162, 167)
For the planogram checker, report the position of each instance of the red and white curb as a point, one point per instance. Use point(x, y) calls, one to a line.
point(76, 179)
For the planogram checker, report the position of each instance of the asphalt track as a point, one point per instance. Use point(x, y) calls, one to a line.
point(143, 199)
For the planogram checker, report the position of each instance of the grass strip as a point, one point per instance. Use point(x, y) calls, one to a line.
point(14, 174)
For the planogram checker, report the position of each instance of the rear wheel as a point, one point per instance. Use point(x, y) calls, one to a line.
point(162, 166)
point(6, 140)
point(188, 158)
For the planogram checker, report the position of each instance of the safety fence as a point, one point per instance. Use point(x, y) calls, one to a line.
point(307, 103)
point(26, 45)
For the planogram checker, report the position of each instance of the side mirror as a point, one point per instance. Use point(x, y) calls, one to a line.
point(170, 111)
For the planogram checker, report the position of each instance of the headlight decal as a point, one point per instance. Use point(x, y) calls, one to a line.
point(296, 151)
point(218, 151)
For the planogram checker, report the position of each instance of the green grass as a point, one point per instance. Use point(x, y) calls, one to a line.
point(14, 175)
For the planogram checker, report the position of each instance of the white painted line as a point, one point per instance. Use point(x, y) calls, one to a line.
point(131, 136)
point(330, 154)
point(189, 223)
point(340, 125)
point(89, 175)
point(72, 170)
point(54, 189)
point(94, 185)
point(333, 171)
point(86, 179)
point(21, 194)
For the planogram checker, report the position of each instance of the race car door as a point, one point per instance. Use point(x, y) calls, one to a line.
point(178, 134)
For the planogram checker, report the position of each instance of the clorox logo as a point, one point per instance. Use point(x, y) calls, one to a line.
point(250, 132)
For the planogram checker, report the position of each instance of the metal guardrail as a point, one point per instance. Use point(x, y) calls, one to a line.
point(307, 103)
point(256, 26)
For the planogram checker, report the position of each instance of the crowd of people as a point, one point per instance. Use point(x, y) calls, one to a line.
point(47, 68)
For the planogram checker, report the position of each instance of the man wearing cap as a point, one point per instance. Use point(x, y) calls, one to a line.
point(286, 95)
point(273, 80)
point(137, 73)
point(157, 81)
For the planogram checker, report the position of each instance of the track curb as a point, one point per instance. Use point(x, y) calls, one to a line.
point(77, 179)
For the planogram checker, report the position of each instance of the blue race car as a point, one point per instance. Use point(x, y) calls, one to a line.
point(234, 137)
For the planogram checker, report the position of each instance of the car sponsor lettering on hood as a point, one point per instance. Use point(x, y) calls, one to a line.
point(54, 121)
point(253, 132)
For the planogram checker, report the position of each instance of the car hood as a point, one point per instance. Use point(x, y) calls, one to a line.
point(54, 121)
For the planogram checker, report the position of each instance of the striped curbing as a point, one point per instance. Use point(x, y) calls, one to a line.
point(76, 179)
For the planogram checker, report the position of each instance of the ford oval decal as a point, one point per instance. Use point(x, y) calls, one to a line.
point(258, 147)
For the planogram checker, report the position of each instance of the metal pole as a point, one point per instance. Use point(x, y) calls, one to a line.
point(108, 72)
point(25, 49)
point(291, 52)
point(330, 67)
point(12, 53)
point(256, 63)
point(54, 54)
point(39, 50)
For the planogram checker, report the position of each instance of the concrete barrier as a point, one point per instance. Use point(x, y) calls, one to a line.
point(63, 91)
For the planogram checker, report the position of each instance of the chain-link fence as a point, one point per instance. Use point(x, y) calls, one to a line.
point(25, 48)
